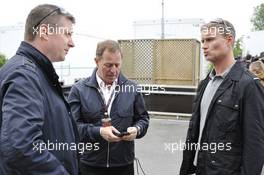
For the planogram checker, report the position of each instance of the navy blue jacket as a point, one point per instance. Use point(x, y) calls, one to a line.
point(33, 113)
point(128, 109)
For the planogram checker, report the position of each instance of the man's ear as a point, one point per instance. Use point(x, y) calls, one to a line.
point(96, 60)
point(43, 31)
point(230, 39)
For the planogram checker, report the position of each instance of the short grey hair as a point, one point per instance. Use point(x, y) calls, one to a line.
point(109, 45)
point(44, 14)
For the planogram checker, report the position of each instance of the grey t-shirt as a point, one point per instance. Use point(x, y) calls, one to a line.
point(212, 86)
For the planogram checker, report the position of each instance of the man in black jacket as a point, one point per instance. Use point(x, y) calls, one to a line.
point(226, 131)
point(37, 129)
point(108, 95)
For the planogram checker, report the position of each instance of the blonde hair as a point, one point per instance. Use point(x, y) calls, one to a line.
point(257, 68)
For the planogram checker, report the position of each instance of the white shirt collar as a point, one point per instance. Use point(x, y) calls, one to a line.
point(102, 84)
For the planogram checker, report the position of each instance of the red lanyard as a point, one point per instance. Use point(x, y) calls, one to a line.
point(106, 105)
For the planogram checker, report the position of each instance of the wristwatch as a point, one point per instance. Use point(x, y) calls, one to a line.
point(138, 130)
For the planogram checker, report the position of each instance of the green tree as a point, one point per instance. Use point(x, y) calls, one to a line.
point(210, 67)
point(2, 59)
point(258, 18)
point(238, 48)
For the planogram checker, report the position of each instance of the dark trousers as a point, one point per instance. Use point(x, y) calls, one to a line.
point(123, 170)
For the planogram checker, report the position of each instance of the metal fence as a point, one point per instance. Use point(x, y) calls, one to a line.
point(166, 62)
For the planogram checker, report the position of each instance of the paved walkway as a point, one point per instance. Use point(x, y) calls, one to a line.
point(159, 151)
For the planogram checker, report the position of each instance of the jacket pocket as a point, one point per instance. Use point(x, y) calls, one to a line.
point(224, 163)
point(125, 114)
point(227, 115)
point(123, 120)
point(91, 117)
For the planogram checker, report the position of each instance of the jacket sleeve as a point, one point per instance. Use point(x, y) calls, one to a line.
point(86, 130)
point(253, 130)
point(21, 132)
point(141, 117)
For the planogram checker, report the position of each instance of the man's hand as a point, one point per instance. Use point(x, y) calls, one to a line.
point(107, 134)
point(132, 134)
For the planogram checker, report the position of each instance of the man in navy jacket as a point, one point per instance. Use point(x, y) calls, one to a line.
point(107, 94)
point(37, 128)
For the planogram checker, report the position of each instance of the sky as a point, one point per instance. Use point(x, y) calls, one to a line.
point(114, 18)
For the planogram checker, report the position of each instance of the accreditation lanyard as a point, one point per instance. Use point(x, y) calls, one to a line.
point(106, 104)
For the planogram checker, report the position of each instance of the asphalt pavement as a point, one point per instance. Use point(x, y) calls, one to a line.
point(160, 151)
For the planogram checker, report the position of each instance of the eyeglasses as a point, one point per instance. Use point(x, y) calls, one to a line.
point(229, 29)
point(220, 21)
point(58, 9)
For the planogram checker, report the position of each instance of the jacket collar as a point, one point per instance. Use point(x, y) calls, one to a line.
point(102, 84)
point(223, 75)
point(236, 71)
point(234, 74)
point(30, 52)
point(92, 82)
point(40, 59)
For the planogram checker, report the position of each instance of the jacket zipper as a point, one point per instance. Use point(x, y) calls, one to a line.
point(108, 143)
point(108, 153)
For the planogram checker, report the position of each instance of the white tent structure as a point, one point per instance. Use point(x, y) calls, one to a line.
point(253, 43)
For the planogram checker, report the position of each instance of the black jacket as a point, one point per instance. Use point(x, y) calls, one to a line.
point(34, 114)
point(233, 131)
point(128, 109)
